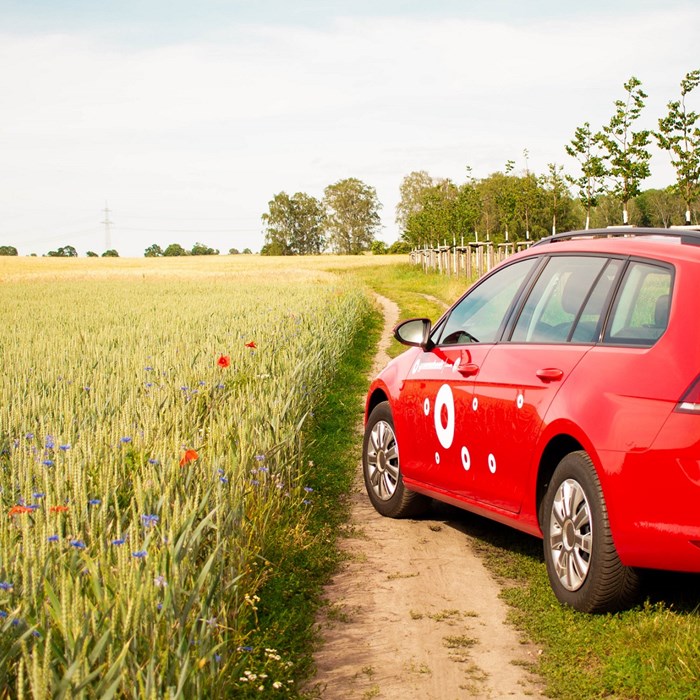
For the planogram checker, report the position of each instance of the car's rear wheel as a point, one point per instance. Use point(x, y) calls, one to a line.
point(382, 470)
point(584, 568)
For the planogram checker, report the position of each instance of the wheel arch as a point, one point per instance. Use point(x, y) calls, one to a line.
point(556, 449)
point(374, 398)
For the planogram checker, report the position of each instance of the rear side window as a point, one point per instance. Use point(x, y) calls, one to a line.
point(566, 302)
point(640, 313)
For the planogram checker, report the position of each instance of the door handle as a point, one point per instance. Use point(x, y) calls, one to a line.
point(550, 374)
point(468, 370)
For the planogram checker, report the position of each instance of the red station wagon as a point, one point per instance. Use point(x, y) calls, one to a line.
point(559, 395)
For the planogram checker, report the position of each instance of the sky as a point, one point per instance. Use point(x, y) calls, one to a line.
point(183, 119)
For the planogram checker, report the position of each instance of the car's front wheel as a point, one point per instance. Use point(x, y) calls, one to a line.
point(382, 470)
point(584, 568)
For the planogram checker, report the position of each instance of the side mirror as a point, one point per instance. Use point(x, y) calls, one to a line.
point(415, 332)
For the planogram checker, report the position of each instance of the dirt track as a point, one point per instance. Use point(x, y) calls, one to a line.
point(413, 613)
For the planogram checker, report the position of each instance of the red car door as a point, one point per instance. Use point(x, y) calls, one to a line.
point(557, 326)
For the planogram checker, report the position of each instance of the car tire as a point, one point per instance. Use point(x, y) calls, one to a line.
point(584, 568)
point(382, 471)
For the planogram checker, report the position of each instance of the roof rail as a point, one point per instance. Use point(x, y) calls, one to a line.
point(689, 235)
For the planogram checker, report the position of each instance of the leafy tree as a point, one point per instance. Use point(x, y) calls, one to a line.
point(412, 190)
point(295, 225)
point(679, 135)
point(434, 217)
point(234, 251)
point(555, 186)
point(66, 251)
point(660, 208)
point(468, 209)
point(153, 251)
point(8, 250)
point(274, 248)
point(590, 184)
point(111, 253)
point(247, 251)
point(352, 215)
point(201, 249)
point(379, 248)
point(174, 250)
point(399, 247)
point(625, 149)
point(92, 254)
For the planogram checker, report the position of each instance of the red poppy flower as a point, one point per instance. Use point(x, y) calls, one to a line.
point(224, 361)
point(190, 456)
point(251, 344)
point(17, 510)
point(58, 509)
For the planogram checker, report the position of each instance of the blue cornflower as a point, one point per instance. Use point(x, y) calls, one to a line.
point(33, 506)
point(265, 470)
point(184, 388)
point(223, 480)
point(29, 436)
point(94, 502)
point(3, 614)
point(48, 463)
point(220, 386)
point(148, 369)
point(245, 648)
point(52, 538)
point(217, 658)
point(65, 448)
point(159, 606)
point(153, 461)
point(86, 388)
point(140, 554)
point(49, 442)
point(149, 520)
point(260, 458)
point(149, 385)
point(202, 382)
point(6, 586)
point(308, 489)
point(126, 439)
point(37, 495)
point(118, 542)
point(78, 544)
point(306, 502)
point(255, 482)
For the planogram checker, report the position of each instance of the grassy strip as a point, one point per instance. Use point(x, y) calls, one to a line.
point(651, 651)
point(305, 556)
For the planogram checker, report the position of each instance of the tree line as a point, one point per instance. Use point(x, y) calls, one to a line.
point(611, 162)
point(513, 205)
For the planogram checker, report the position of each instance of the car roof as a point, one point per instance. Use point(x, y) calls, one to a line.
point(675, 244)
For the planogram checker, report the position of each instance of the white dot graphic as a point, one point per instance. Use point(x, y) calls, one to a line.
point(520, 401)
point(492, 464)
point(426, 407)
point(444, 399)
point(437, 458)
point(466, 459)
point(475, 403)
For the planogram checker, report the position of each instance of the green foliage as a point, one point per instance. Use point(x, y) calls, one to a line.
point(92, 254)
point(625, 150)
point(247, 251)
point(352, 215)
point(201, 249)
point(110, 253)
point(294, 225)
point(679, 135)
point(379, 248)
point(234, 251)
point(8, 250)
point(590, 184)
point(399, 247)
point(66, 251)
point(153, 251)
point(174, 250)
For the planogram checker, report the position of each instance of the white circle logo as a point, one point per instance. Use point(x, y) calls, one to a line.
point(445, 400)
point(492, 464)
point(466, 459)
point(520, 401)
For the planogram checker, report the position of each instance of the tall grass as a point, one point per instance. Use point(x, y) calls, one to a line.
point(151, 442)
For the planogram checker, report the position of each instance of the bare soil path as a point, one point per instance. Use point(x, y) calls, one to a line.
point(413, 613)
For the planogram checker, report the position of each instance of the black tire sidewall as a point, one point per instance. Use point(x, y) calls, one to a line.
point(578, 467)
point(391, 506)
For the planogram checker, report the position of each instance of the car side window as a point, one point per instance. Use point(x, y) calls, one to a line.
point(479, 316)
point(557, 300)
point(641, 308)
